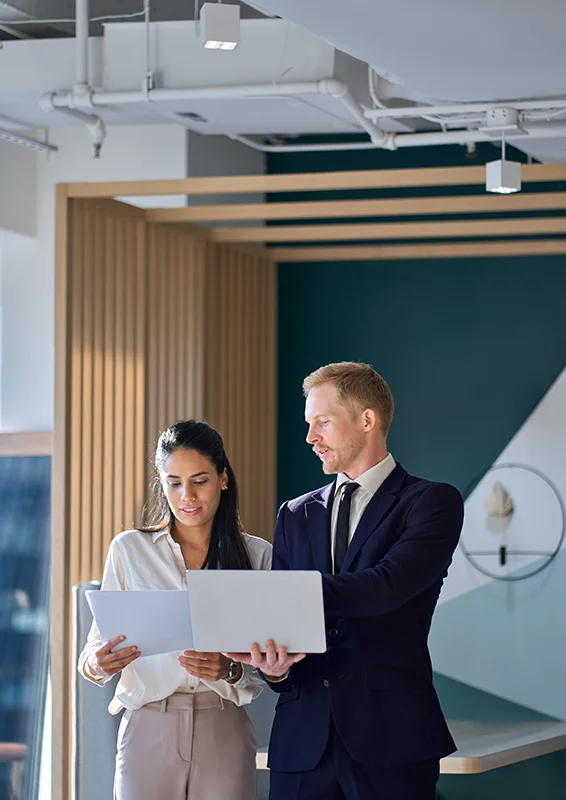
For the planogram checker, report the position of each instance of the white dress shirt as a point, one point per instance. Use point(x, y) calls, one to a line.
point(142, 561)
point(369, 482)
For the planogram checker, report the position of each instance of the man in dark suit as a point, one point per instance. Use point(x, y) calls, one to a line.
point(362, 720)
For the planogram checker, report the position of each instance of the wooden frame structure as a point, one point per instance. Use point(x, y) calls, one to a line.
point(154, 323)
point(118, 330)
point(459, 236)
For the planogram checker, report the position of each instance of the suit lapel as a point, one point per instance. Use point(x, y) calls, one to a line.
point(318, 513)
point(375, 511)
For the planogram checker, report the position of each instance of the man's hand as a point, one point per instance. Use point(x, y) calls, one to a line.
point(274, 663)
point(207, 666)
point(108, 662)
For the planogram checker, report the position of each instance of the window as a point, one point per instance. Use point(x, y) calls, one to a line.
point(25, 500)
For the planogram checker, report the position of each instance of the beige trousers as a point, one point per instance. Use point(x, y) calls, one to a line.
point(186, 747)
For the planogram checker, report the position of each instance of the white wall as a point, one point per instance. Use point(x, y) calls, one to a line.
point(17, 188)
point(27, 266)
point(26, 289)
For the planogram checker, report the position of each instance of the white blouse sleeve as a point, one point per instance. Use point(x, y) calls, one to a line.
point(113, 578)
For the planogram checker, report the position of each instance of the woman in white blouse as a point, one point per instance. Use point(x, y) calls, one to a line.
point(185, 734)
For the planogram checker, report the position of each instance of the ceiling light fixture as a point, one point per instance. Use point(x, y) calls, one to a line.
point(503, 177)
point(33, 144)
point(220, 26)
point(501, 121)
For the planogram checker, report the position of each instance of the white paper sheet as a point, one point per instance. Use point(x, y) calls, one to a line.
point(155, 621)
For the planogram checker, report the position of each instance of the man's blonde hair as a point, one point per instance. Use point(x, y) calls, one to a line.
point(359, 387)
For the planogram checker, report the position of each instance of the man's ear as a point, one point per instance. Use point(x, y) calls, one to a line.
point(370, 420)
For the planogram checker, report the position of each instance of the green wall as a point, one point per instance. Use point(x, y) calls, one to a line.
point(469, 347)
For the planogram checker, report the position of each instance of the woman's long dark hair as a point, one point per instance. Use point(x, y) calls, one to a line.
point(227, 549)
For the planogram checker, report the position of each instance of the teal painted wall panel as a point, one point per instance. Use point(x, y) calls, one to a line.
point(542, 778)
point(468, 347)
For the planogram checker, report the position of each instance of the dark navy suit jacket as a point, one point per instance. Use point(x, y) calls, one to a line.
point(375, 680)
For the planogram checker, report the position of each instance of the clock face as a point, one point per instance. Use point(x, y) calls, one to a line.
point(514, 524)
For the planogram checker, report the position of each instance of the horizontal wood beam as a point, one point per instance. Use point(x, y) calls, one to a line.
point(26, 443)
point(420, 251)
point(393, 230)
point(392, 207)
point(310, 181)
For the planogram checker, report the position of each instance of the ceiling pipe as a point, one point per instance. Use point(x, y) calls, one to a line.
point(399, 140)
point(81, 90)
point(464, 108)
point(329, 86)
point(338, 89)
point(300, 148)
point(94, 123)
point(83, 97)
point(81, 45)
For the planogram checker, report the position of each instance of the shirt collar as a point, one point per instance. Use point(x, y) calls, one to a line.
point(372, 478)
point(158, 534)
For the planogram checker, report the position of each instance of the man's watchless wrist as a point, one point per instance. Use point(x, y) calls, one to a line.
point(276, 678)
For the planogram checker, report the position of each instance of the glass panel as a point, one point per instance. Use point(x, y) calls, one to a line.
point(25, 499)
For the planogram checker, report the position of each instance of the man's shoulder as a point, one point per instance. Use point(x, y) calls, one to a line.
point(299, 502)
point(414, 487)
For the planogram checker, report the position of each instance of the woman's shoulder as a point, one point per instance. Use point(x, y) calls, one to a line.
point(259, 550)
point(131, 538)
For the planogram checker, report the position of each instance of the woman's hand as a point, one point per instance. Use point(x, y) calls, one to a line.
point(108, 662)
point(208, 666)
point(274, 663)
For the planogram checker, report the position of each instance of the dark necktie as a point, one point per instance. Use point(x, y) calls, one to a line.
point(343, 525)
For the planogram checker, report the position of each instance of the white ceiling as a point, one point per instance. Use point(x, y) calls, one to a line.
point(431, 50)
point(451, 50)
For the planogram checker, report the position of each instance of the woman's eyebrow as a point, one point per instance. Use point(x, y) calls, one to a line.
point(196, 475)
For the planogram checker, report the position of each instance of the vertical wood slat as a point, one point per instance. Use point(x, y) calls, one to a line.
point(61, 514)
point(98, 359)
point(141, 345)
point(109, 435)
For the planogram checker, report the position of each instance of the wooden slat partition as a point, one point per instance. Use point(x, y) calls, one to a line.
point(99, 426)
point(154, 324)
point(106, 423)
